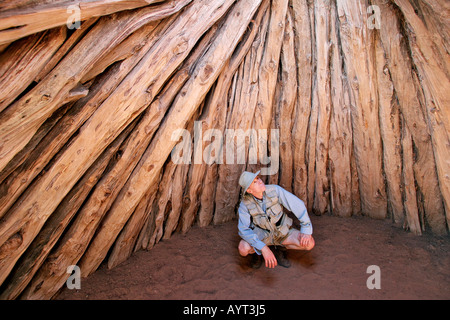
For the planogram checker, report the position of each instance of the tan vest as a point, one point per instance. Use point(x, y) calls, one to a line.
point(274, 221)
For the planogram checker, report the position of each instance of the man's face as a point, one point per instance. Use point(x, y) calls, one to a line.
point(257, 187)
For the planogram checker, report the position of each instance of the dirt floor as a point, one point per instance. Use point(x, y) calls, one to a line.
point(205, 264)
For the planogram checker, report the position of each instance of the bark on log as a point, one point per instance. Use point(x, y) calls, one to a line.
point(268, 75)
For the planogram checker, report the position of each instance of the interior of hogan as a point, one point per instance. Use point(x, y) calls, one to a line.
point(121, 122)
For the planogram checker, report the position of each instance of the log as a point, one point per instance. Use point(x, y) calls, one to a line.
point(15, 24)
point(433, 67)
point(162, 205)
point(204, 75)
point(286, 104)
point(390, 134)
point(410, 203)
point(24, 60)
point(358, 56)
point(323, 100)
point(340, 144)
point(303, 47)
point(173, 219)
point(400, 66)
point(310, 149)
point(126, 241)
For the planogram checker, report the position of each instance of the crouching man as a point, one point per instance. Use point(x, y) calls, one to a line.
point(262, 222)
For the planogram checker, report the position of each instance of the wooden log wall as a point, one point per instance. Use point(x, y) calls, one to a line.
point(358, 91)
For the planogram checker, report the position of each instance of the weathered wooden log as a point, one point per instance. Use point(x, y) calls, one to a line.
point(268, 72)
point(173, 220)
point(303, 39)
point(162, 205)
point(15, 24)
point(24, 60)
point(433, 66)
point(286, 104)
point(400, 66)
point(410, 203)
point(358, 57)
point(322, 86)
point(390, 133)
point(126, 241)
point(340, 144)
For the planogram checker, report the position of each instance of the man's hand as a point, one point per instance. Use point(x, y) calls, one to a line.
point(269, 257)
point(305, 240)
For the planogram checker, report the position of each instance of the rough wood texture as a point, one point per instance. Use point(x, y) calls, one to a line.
point(359, 59)
point(87, 116)
point(15, 24)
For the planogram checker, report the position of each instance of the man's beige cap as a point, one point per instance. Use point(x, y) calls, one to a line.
point(246, 179)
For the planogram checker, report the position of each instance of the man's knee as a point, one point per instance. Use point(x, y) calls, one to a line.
point(294, 242)
point(244, 248)
point(311, 244)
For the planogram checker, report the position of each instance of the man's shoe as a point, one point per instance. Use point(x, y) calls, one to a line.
point(256, 261)
point(280, 254)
